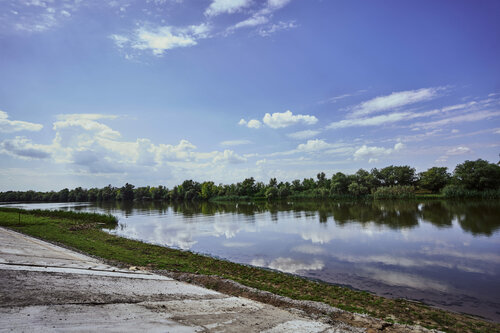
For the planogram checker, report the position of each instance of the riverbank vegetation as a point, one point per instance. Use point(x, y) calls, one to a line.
point(70, 231)
point(470, 179)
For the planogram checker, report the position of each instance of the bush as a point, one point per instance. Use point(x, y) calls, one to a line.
point(395, 192)
point(459, 191)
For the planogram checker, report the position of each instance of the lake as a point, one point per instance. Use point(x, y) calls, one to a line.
point(443, 253)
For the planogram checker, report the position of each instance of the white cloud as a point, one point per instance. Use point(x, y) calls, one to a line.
point(373, 153)
point(120, 41)
point(313, 145)
point(467, 112)
point(261, 16)
point(251, 22)
point(252, 123)
point(226, 6)
point(394, 100)
point(335, 99)
point(235, 142)
point(301, 135)
point(468, 117)
point(458, 151)
point(87, 146)
point(455, 151)
point(373, 121)
point(285, 119)
point(87, 122)
point(162, 38)
point(87, 116)
point(277, 4)
point(9, 126)
point(24, 148)
point(182, 151)
point(38, 16)
point(398, 146)
point(229, 156)
point(280, 26)
point(458, 106)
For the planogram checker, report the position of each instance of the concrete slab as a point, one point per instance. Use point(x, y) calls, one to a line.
point(44, 287)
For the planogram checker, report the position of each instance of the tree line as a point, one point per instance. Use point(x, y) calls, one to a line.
point(471, 178)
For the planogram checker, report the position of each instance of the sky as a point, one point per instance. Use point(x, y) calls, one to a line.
point(153, 92)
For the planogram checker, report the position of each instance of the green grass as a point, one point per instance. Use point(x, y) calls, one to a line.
point(83, 233)
point(64, 214)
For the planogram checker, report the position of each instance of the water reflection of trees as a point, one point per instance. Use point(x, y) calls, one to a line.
point(476, 217)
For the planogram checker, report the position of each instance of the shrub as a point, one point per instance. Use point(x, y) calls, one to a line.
point(395, 192)
point(459, 191)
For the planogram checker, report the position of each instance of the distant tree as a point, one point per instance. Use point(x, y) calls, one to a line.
point(477, 175)
point(208, 190)
point(367, 179)
point(296, 185)
point(357, 189)
point(396, 175)
point(339, 184)
point(127, 192)
point(434, 179)
point(191, 195)
point(92, 194)
point(322, 182)
point(284, 190)
point(108, 193)
point(157, 193)
point(247, 187)
point(271, 193)
point(63, 195)
point(308, 184)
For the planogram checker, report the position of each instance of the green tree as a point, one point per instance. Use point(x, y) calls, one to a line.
point(273, 182)
point(308, 184)
point(339, 184)
point(63, 195)
point(208, 190)
point(247, 187)
point(322, 182)
point(477, 175)
point(395, 175)
point(271, 193)
point(357, 189)
point(434, 179)
point(127, 192)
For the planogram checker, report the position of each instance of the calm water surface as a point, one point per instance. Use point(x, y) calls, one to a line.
point(444, 253)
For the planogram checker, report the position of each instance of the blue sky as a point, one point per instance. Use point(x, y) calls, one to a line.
point(158, 91)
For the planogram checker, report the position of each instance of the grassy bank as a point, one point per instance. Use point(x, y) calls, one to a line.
point(83, 233)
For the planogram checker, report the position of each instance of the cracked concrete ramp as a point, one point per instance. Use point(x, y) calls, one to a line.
point(44, 287)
